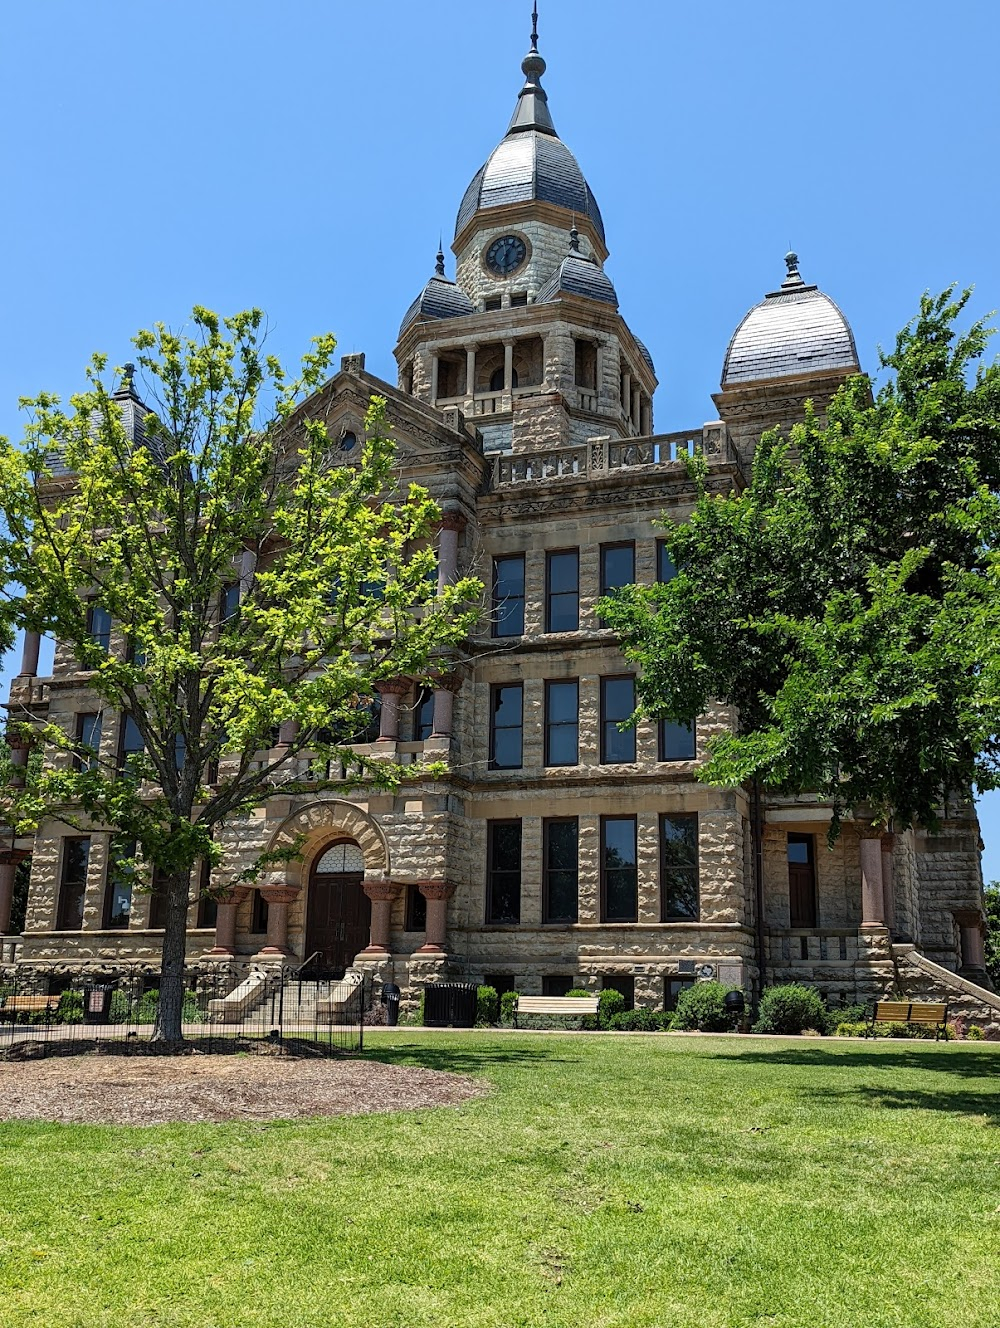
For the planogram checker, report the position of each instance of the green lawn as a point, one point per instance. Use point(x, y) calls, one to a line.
point(608, 1180)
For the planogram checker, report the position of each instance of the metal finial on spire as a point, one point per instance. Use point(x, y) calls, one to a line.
point(128, 373)
point(439, 265)
point(793, 277)
point(534, 27)
point(574, 239)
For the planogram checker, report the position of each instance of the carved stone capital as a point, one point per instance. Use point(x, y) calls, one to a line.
point(452, 521)
point(436, 889)
point(393, 687)
point(236, 894)
point(381, 890)
point(280, 894)
point(447, 682)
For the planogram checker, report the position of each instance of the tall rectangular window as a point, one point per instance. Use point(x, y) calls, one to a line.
point(229, 601)
point(73, 882)
point(665, 569)
point(617, 566)
point(801, 881)
point(677, 741)
point(208, 907)
point(619, 869)
point(118, 884)
point(560, 884)
point(503, 875)
point(617, 704)
point(562, 591)
point(423, 715)
point(416, 909)
point(506, 726)
point(508, 596)
point(130, 740)
point(88, 739)
point(99, 625)
point(679, 868)
point(157, 903)
point(562, 723)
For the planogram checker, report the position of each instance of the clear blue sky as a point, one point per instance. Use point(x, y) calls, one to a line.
point(304, 156)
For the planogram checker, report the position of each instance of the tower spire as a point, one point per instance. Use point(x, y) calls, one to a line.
point(532, 109)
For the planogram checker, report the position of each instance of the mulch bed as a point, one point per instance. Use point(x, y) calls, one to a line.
point(118, 1090)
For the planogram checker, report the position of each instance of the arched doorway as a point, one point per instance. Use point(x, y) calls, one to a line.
point(338, 912)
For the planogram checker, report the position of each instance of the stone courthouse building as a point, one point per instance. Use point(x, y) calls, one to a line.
point(559, 851)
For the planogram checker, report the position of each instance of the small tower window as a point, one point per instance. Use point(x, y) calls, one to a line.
point(492, 305)
point(518, 299)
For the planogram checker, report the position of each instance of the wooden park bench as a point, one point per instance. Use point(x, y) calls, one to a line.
point(15, 1005)
point(560, 1005)
point(905, 1012)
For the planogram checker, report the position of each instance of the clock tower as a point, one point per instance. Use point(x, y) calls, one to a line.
point(528, 341)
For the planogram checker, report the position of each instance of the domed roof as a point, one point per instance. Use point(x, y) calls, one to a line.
point(440, 298)
point(532, 162)
point(577, 275)
point(794, 330)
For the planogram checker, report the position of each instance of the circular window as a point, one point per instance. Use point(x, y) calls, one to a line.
point(348, 441)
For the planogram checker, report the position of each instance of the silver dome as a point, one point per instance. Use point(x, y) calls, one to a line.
point(794, 330)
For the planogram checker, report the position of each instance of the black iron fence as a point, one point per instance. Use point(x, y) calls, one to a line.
point(45, 1011)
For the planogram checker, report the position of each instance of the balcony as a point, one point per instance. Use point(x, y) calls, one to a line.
point(602, 456)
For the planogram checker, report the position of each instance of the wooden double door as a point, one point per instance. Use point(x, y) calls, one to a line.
point(338, 919)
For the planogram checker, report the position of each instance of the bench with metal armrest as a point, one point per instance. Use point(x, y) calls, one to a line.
point(929, 1014)
point(566, 1006)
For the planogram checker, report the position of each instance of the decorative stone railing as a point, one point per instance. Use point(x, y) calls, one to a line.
point(601, 456)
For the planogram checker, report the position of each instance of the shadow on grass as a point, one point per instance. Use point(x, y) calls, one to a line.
point(465, 1059)
point(939, 1058)
point(985, 1104)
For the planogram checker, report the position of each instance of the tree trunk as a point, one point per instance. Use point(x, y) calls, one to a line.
point(171, 1003)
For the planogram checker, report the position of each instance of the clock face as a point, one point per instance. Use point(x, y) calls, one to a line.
point(506, 255)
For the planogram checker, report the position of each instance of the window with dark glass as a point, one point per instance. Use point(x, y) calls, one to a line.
point(119, 882)
point(622, 984)
point(99, 625)
point(508, 595)
point(801, 881)
point(617, 705)
point(562, 591)
point(503, 884)
point(677, 741)
point(617, 566)
point(557, 984)
point(560, 879)
point(416, 909)
point(672, 988)
point(229, 600)
point(665, 569)
point(88, 738)
point(258, 914)
point(679, 868)
point(423, 715)
point(73, 883)
point(208, 908)
point(130, 742)
point(500, 982)
point(619, 869)
point(562, 722)
point(506, 726)
point(370, 721)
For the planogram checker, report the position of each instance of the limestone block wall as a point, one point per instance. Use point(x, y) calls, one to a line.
point(949, 877)
point(547, 246)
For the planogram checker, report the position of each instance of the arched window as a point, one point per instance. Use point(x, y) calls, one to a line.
point(496, 381)
point(338, 858)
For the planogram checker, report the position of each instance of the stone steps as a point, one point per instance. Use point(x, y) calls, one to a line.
point(921, 979)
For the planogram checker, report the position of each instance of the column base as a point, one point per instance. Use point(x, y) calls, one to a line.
point(219, 952)
point(431, 949)
point(374, 950)
point(274, 952)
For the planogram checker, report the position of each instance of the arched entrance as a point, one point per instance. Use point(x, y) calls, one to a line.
point(338, 912)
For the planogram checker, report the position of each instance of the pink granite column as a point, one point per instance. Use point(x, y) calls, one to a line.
point(278, 898)
point(225, 923)
point(19, 760)
point(437, 894)
point(382, 894)
point(445, 687)
point(29, 655)
point(288, 731)
point(6, 896)
point(872, 897)
point(452, 524)
point(391, 694)
point(888, 886)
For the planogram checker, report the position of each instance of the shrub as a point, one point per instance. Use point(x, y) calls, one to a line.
point(975, 1033)
point(578, 991)
point(851, 1028)
point(641, 1021)
point(610, 1003)
point(487, 1006)
point(70, 1008)
point(701, 1007)
point(790, 1008)
point(844, 1014)
point(507, 1003)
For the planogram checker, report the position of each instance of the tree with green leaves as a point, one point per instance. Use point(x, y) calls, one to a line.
point(991, 899)
point(247, 576)
point(844, 603)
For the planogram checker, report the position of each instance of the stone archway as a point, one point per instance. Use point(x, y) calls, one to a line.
point(338, 912)
point(317, 826)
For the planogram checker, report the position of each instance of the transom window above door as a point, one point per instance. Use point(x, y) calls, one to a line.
point(338, 858)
